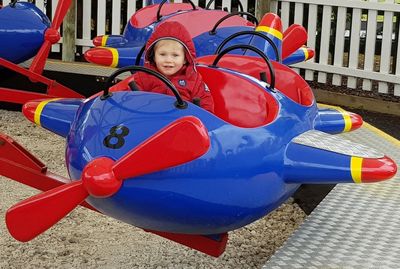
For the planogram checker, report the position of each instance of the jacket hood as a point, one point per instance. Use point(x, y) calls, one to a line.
point(170, 30)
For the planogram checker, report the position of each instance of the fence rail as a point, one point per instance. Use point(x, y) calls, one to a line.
point(356, 42)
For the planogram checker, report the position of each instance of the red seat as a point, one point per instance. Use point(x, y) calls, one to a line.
point(287, 81)
point(184, 14)
point(148, 15)
point(238, 100)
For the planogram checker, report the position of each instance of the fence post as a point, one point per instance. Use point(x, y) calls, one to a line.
point(68, 44)
point(262, 7)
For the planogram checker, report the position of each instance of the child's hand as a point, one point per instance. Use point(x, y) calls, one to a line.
point(132, 85)
point(196, 101)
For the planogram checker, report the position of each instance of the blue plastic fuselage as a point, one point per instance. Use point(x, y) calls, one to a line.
point(239, 180)
point(135, 36)
point(22, 29)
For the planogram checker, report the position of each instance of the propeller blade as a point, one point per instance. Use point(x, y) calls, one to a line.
point(35, 215)
point(293, 38)
point(182, 141)
point(59, 14)
point(39, 61)
point(51, 37)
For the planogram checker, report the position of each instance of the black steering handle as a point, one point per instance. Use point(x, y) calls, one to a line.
point(256, 50)
point(214, 29)
point(269, 40)
point(180, 103)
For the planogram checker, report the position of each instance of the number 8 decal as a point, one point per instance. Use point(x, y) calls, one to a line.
point(116, 138)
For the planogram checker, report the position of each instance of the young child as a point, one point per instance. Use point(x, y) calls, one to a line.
point(170, 51)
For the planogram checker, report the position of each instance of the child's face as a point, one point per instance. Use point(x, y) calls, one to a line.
point(169, 56)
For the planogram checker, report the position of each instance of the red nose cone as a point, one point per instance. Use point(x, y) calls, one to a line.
point(98, 41)
point(98, 178)
point(311, 54)
point(101, 56)
point(375, 170)
point(272, 20)
point(29, 109)
point(356, 121)
point(52, 35)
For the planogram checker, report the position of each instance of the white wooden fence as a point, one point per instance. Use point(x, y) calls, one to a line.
point(343, 33)
point(356, 61)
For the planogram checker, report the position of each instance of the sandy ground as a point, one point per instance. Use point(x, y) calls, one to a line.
point(86, 239)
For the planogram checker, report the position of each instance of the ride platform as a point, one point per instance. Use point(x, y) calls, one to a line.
point(354, 226)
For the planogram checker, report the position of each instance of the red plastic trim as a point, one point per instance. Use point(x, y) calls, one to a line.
point(201, 243)
point(375, 170)
point(293, 38)
point(54, 89)
point(20, 165)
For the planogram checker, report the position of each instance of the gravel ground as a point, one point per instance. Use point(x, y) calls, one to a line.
point(85, 239)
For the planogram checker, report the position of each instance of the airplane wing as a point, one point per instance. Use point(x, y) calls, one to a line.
point(315, 157)
point(334, 120)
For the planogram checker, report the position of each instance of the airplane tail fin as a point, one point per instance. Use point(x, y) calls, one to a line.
point(271, 26)
point(294, 37)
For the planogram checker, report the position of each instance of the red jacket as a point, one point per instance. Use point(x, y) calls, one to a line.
point(188, 80)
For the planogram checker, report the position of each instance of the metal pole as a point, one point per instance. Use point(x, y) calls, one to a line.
point(262, 7)
point(68, 43)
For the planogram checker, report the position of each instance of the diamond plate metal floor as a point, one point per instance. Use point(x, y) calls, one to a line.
point(355, 226)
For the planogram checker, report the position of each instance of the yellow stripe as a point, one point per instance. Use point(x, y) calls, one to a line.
point(115, 57)
point(104, 40)
point(370, 127)
point(305, 53)
point(270, 30)
point(355, 167)
point(346, 118)
point(40, 108)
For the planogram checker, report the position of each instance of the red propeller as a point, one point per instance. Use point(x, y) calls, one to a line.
point(294, 37)
point(51, 36)
point(182, 141)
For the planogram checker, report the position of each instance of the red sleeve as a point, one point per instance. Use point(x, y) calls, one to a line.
point(139, 80)
point(207, 102)
point(123, 85)
point(206, 99)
